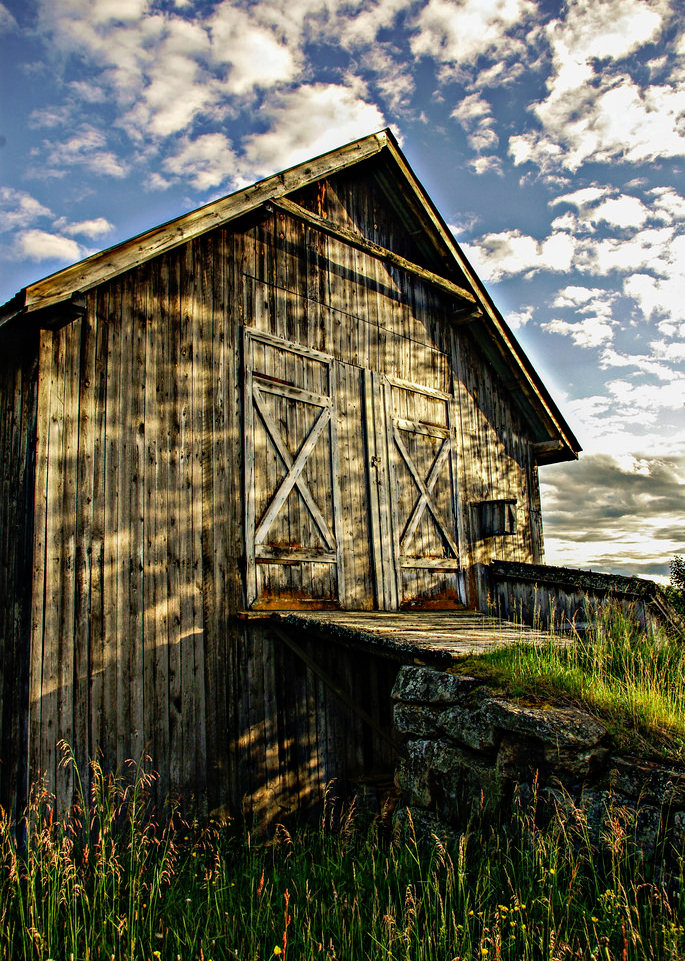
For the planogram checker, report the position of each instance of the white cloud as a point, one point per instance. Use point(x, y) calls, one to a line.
point(595, 110)
point(672, 352)
point(459, 31)
point(206, 162)
point(486, 162)
point(661, 295)
point(580, 198)
point(667, 204)
point(519, 318)
point(642, 402)
point(510, 252)
point(307, 121)
point(474, 113)
point(87, 90)
point(643, 363)
point(88, 228)
point(41, 245)
point(165, 70)
point(589, 332)
point(7, 21)
point(49, 116)
point(392, 79)
point(255, 54)
point(652, 248)
point(604, 31)
point(362, 29)
point(19, 209)
point(623, 211)
point(576, 296)
point(87, 147)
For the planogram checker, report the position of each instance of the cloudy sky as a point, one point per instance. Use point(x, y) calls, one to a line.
point(551, 137)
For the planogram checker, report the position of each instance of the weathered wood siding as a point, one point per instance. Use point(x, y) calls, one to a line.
point(18, 370)
point(149, 524)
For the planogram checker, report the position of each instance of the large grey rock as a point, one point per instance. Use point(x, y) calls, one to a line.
point(416, 720)
point(559, 726)
point(462, 785)
point(425, 685)
point(412, 775)
point(518, 759)
point(580, 762)
point(648, 782)
point(471, 727)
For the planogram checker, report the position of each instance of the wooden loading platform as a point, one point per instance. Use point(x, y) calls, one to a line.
point(431, 637)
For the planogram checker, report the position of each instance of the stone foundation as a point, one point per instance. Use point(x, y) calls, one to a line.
point(467, 752)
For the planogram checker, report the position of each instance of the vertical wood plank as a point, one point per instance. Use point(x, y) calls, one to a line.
point(110, 594)
point(53, 585)
point(196, 736)
point(98, 647)
point(84, 538)
point(124, 441)
point(175, 522)
point(137, 580)
point(40, 554)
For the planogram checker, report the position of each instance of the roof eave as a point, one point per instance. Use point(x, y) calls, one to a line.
point(106, 264)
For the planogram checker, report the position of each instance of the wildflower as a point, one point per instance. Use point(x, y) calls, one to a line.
point(278, 950)
point(594, 919)
point(552, 871)
point(157, 954)
point(484, 951)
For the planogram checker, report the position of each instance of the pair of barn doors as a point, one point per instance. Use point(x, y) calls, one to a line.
point(397, 457)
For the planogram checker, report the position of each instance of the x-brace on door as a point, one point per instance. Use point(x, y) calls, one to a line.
point(423, 501)
point(292, 503)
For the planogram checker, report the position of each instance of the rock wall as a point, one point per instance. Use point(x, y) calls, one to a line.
point(466, 751)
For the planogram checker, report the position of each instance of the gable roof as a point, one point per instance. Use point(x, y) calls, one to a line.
point(556, 441)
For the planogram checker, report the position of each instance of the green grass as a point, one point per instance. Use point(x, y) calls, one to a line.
point(635, 683)
point(119, 882)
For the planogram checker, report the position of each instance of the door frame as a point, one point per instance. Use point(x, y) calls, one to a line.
point(381, 433)
point(256, 529)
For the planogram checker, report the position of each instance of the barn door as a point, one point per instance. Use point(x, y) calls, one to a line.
point(420, 443)
point(292, 502)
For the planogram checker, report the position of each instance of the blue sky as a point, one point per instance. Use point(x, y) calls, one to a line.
point(551, 137)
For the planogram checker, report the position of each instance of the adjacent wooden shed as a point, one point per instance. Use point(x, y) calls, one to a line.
point(297, 396)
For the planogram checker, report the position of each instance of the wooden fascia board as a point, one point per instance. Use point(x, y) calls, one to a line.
point(13, 308)
point(368, 246)
point(492, 320)
point(107, 264)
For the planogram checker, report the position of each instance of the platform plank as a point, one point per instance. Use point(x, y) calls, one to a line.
point(439, 637)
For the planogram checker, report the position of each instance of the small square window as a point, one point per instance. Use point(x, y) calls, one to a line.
point(496, 518)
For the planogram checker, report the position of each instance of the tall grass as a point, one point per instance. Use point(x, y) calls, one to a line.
point(114, 879)
point(635, 681)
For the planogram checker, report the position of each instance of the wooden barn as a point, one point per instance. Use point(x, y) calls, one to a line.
point(298, 397)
